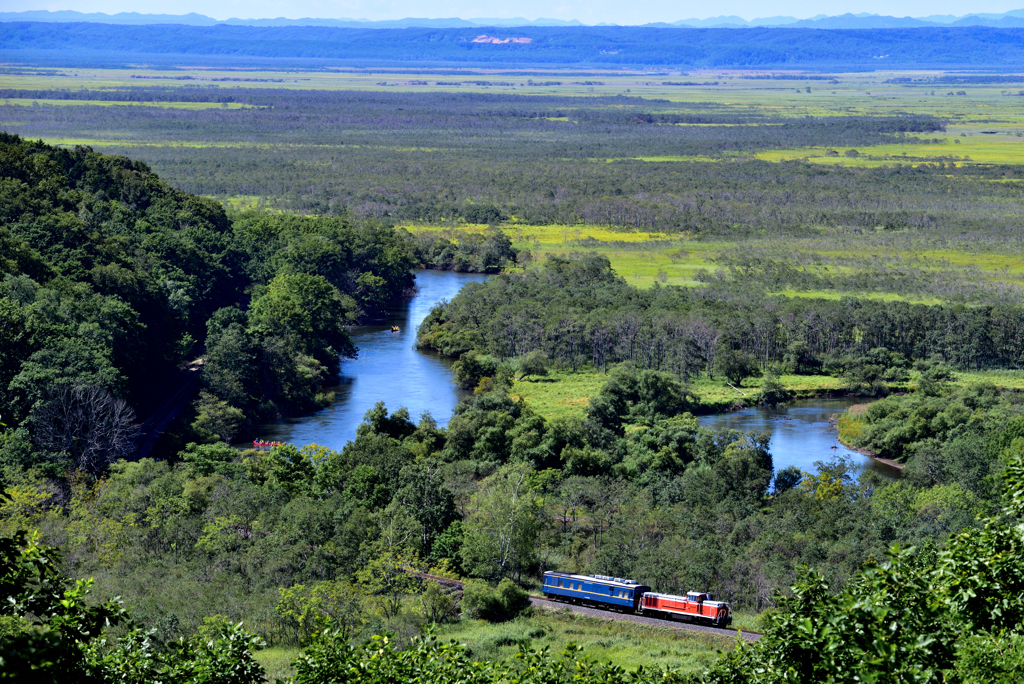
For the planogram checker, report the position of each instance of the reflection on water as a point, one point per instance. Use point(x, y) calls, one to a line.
point(391, 370)
point(388, 369)
point(802, 432)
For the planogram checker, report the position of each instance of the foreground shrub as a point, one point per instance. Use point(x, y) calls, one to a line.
point(481, 602)
point(334, 660)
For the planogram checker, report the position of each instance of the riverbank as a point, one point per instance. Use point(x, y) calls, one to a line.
point(388, 369)
point(563, 394)
point(850, 424)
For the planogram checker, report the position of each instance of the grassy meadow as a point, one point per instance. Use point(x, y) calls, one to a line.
point(625, 644)
point(985, 119)
point(984, 126)
point(645, 258)
point(567, 395)
point(27, 102)
point(642, 258)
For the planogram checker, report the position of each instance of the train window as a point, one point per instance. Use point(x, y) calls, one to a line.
point(559, 582)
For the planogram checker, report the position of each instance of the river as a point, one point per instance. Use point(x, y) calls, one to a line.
point(389, 368)
point(802, 433)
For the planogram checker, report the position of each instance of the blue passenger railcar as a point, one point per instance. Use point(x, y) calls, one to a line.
point(607, 592)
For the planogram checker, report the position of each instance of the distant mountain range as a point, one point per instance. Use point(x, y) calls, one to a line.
point(995, 49)
point(193, 19)
point(1013, 18)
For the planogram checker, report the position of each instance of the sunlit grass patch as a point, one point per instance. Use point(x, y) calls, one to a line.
point(958, 145)
point(715, 393)
point(839, 294)
point(1011, 379)
point(851, 424)
point(625, 644)
point(564, 394)
point(277, 661)
point(643, 258)
point(667, 158)
point(560, 394)
point(249, 203)
point(28, 102)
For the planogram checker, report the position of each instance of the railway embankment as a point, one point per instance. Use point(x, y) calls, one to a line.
point(548, 604)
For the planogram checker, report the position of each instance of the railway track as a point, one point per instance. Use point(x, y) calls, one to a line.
point(550, 604)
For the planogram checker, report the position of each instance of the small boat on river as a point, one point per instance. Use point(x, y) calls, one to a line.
point(260, 444)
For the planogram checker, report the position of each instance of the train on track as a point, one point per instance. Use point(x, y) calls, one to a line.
point(625, 595)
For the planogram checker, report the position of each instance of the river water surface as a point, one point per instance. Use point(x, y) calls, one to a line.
point(802, 432)
point(390, 369)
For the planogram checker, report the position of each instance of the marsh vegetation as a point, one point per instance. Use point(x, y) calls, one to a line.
point(650, 262)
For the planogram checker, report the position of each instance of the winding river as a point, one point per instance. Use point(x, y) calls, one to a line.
point(390, 369)
point(802, 432)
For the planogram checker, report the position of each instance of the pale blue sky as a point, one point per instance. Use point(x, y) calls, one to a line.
point(587, 11)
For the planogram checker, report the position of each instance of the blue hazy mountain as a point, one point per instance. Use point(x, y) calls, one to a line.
point(929, 47)
point(193, 19)
point(1012, 18)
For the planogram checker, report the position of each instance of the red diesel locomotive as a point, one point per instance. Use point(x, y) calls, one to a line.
point(613, 593)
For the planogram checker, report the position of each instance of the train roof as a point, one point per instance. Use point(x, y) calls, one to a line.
point(601, 579)
point(673, 597)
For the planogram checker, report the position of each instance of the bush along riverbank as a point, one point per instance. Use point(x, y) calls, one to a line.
point(312, 547)
point(849, 426)
point(942, 432)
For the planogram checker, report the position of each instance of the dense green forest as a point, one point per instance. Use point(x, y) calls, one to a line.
point(295, 541)
point(484, 157)
point(119, 287)
point(579, 312)
point(113, 280)
point(292, 540)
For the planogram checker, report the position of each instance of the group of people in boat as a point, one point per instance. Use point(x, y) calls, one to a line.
point(258, 443)
point(395, 328)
